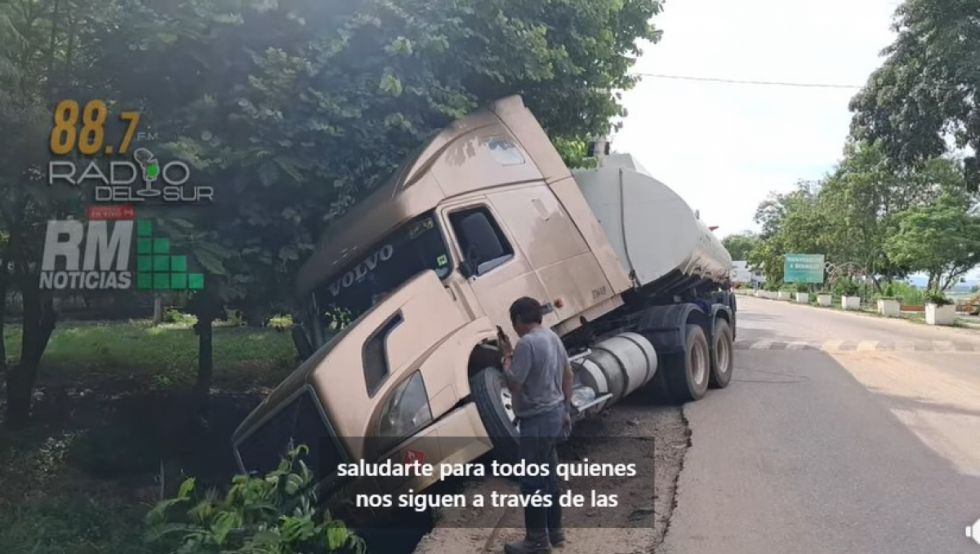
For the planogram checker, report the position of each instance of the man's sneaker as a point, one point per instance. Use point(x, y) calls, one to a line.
point(557, 537)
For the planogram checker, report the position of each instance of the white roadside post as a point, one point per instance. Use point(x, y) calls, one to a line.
point(889, 307)
point(940, 314)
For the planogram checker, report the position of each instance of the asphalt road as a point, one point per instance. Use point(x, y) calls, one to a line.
point(839, 433)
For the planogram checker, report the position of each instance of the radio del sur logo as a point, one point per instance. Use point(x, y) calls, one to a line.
point(104, 264)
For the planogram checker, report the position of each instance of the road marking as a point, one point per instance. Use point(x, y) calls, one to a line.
point(850, 345)
point(831, 345)
point(761, 345)
point(942, 345)
point(867, 345)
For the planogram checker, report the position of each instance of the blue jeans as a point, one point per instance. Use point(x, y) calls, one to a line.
point(538, 441)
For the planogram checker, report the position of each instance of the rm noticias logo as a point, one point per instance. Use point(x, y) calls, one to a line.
point(104, 262)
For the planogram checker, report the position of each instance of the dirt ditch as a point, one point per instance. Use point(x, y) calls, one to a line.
point(632, 431)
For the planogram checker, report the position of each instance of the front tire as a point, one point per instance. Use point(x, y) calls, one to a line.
point(722, 355)
point(493, 402)
point(688, 374)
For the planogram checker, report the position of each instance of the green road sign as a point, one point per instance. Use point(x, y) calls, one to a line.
point(803, 268)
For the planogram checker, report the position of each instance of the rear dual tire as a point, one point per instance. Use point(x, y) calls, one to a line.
point(722, 355)
point(688, 373)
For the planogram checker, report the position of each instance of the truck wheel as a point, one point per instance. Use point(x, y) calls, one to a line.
point(688, 375)
point(722, 355)
point(496, 407)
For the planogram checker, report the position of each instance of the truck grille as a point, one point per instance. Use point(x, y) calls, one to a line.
point(298, 422)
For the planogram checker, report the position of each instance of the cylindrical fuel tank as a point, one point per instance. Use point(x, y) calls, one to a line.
point(618, 365)
point(653, 231)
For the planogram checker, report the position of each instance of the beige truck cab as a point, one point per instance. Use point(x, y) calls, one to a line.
point(402, 300)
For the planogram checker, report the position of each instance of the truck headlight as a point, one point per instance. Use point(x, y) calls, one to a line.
point(405, 412)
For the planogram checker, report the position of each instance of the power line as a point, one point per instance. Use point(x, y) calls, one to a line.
point(746, 81)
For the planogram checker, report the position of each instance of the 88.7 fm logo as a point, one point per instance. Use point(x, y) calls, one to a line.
point(105, 165)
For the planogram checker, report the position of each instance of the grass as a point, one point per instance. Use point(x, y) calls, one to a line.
point(69, 522)
point(112, 410)
point(160, 356)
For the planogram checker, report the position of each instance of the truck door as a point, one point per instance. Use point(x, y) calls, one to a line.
point(554, 248)
point(495, 267)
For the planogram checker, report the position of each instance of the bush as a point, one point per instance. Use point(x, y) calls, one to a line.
point(281, 322)
point(173, 315)
point(802, 287)
point(908, 294)
point(275, 513)
point(845, 287)
point(938, 299)
point(888, 291)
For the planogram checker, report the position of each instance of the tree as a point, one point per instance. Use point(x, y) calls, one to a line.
point(862, 196)
point(740, 244)
point(848, 215)
point(790, 222)
point(926, 90)
point(297, 121)
point(942, 239)
point(40, 53)
point(293, 111)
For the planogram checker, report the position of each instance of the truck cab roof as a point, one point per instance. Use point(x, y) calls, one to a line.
point(491, 147)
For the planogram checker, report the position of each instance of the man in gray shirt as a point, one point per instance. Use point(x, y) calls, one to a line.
point(540, 379)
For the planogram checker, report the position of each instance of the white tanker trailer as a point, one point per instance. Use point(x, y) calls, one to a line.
point(667, 250)
point(422, 272)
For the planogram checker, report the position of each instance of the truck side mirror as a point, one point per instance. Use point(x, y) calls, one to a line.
point(467, 269)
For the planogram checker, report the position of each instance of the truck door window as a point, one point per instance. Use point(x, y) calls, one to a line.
point(375, 355)
point(481, 242)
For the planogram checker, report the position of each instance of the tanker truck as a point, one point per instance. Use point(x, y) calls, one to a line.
point(400, 304)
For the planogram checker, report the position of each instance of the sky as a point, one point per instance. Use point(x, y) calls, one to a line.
point(724, 147)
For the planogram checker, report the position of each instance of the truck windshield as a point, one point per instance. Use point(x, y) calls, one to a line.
point(408, 251)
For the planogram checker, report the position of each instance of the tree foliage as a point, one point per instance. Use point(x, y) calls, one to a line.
point(922, 102)
point(862, 197)
point(740, 244)
point(941, 239)
point(274, 513)
point(791, 223)
point(851, 213)
point(38, 58)
point(292, 109)
point(298, 109)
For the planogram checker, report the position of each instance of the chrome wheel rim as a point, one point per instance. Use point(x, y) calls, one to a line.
point(724, 356)
point(698, 364)
point(507, 400)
